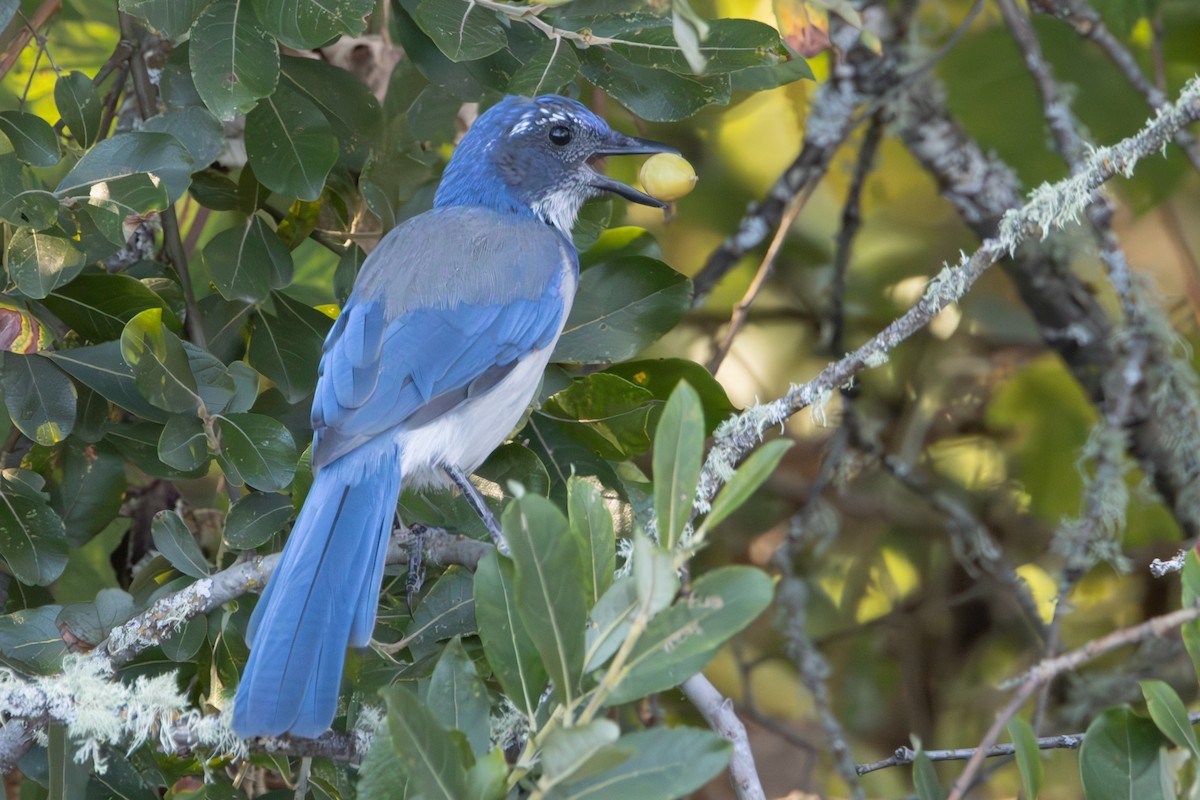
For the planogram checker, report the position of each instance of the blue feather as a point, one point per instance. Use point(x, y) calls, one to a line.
point(306, 617)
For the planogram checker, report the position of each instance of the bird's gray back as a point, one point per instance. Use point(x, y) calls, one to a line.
point(451, 256)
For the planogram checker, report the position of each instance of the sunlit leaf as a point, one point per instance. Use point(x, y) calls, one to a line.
point(40, 261)
point(305, 24)
point(463, 31)
point(122, 167)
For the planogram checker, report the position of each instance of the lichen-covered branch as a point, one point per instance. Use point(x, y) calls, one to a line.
point(100, 711)
point(1050, 206)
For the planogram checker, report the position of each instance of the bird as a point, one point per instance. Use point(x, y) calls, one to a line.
point(434, 358)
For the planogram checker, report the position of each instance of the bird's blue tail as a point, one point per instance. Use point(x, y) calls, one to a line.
point(321, 598)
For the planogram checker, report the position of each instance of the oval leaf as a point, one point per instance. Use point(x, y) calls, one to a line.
point(177, 544)
point(32, 137)
point(509, 648)
point(1120, 756)
point(79, 105)
point(621, 307)
point(245, 260)
point(234, 60)
point(38, 262)
point(290, 144)
point(255, 518)
point(257, 450)
point(305, 24)
point(33, 541)
point(40, 399)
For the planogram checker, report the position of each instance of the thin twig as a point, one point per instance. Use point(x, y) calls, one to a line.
point(1049, 668)
point(906, 755)
point(147, 99)
point(765, 269)
point(1087, 22)
point(40, 17)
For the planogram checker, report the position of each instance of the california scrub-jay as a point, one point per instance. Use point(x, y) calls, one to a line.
point(431, 363)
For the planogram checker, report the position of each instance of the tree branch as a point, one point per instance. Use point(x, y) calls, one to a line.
point(718, 711)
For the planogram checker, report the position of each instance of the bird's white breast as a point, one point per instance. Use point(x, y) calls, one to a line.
point(467, 434)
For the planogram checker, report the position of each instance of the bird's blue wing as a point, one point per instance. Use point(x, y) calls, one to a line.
point(376, 376)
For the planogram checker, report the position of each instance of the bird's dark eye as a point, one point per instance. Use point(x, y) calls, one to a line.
point(560, 135)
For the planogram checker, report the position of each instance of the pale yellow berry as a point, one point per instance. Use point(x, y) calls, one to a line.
point(667, 177)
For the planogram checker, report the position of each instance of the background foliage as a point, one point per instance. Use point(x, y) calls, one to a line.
point(187, 188)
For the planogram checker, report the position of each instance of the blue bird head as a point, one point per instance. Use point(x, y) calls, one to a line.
point(539, 156)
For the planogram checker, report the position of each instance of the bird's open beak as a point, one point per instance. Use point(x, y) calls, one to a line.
point(618, 144)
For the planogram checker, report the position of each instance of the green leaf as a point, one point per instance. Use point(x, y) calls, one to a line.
point(654, 575)
point(102, 369)
point(731, 44)
point(246, 261)
point(431, 756)
point(448, 610)
point(381, 774)
point(257, 450)
point(255, 518)
point(170, 18)
point(234, 60)
point(509, 648)
point(89, 492)
point(8, 10)
point(349, 106)
point(622, 306)
point(33, 541)
point(306, 24)
point(177, 544)
point(660, 763)
point(745, 482)
point(91, 623)
point(487, 777)
point(183, 645)
point(38, 262)
point(23, 201)
point(1029, 760)
point(678, 451)
point(608, 414)
point(552, 67)
point(592, 523)
point(681, 640)
point(654, 95)
point(40, 399)
point(79, 105)
point(549, 587)
point(925, 776)
point(224, 325)
point(68, 777)
point(138, 443)
point(159, 363)
point(660, 376)
point(196, 128)
point(34, 140)
point(463, 31)
point(1120, 757)
point(610, 621)
point(290, 144)
point(285, 345)
point(1170, 714)
point(31, 638)
point(1190, 596)
point(183, 443)
point(458, 698)
point(98, 306)
point(565, 750)
point(134, 168)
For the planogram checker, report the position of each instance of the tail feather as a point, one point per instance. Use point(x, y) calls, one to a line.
point(321, 598)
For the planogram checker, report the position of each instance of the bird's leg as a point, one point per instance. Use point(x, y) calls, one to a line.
point(476, 501)
point(416, 565)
